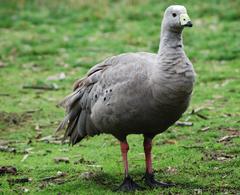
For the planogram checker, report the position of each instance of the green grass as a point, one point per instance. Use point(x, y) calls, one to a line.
point(39, 39)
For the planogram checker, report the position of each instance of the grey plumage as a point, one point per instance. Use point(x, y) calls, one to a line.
point(133, 93)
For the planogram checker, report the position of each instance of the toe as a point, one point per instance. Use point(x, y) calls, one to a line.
point(129, 185)
point(151, 182)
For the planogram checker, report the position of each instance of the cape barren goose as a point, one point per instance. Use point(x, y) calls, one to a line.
point(134, 93)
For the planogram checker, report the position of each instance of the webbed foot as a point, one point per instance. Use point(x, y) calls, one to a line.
point(152, 183)
point(129, 185)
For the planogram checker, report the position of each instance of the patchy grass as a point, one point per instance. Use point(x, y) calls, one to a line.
point(41, 39)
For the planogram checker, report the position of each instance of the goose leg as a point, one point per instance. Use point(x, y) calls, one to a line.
point(128, 184)
point(149, 176)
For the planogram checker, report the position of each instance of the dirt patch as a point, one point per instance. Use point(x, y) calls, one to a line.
point(218, 156)
point(230, 130)
point(8, 170)
point(13, 119)
point(84, 161)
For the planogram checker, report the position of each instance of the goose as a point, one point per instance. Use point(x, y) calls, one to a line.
point(134, 93)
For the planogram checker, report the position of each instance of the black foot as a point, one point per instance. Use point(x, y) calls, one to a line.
point(151, 182)
point(129, 185)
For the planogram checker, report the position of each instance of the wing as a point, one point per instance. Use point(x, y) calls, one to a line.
point(78, 104)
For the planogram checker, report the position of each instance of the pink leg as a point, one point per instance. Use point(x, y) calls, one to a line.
point(148, 157)
point(128, 184)
point(124, 150)
point(149, 176)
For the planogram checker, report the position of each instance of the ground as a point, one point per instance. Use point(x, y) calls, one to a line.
point(50, 44)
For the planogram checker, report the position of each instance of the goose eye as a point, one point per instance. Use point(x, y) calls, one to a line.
point(174, 15)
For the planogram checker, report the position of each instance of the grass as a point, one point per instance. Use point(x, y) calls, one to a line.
point(39, 39)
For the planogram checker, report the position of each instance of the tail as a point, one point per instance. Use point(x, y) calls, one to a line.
point(77, 121)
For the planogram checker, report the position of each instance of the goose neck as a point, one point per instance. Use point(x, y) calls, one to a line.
point(170, 40)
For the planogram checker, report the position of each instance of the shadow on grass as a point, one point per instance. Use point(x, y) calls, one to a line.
point(110, 182)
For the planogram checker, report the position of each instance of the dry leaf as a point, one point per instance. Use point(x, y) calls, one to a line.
point(60, 76)
point(37, 127)
point(19, 180)
point(24, 157)
point(94, 166)
point(228, 138)
point(2, 64)
point(197, 191)
point(182, 124)
point(170, 141)
point(205, 128)
point(171, 170)
point(24, 189)
point(59, 174)
point(8, 170)
point(61, 159)
point(83, 161)
point(52, 86)
point(7, 149)
point(87, 175)
point(53, 139)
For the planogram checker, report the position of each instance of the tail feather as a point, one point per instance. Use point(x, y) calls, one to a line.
point(81, 126)
point(78, 120)
point(74, 137)
point(63, 124)
point(69, 101)
point(70, 128)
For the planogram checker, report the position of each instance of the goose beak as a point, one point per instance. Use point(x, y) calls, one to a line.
point(185, 20)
